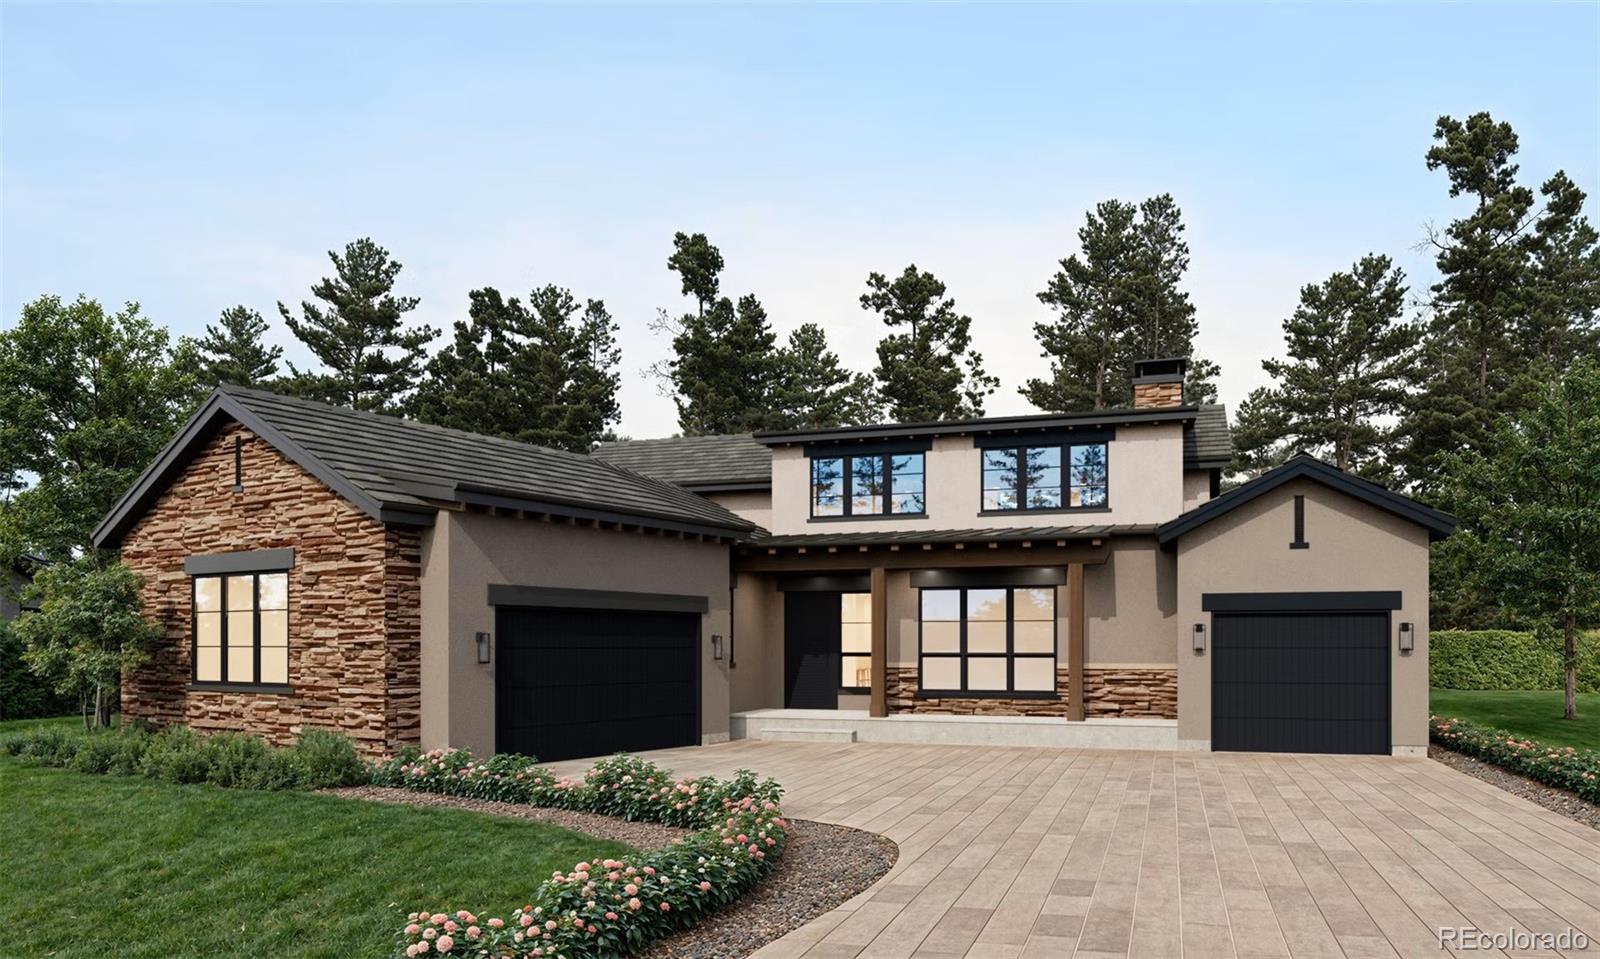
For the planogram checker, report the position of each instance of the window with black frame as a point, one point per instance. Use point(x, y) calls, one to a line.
point(1070, 476)
point(987, 642)
point(241, 629)
point(877, 484)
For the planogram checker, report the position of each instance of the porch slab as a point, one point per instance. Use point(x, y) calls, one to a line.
point(846, 725)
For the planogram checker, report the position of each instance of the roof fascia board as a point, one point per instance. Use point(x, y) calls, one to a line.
point(972, 427)
point(603, 516)
point(199, 421)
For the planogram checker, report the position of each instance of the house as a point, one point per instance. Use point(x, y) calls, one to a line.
point(1065, 579)
point(18, 576)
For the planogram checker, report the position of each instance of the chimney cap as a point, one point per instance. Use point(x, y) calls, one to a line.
point(1162, 369)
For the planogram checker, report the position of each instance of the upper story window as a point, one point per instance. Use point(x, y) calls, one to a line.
point(1071, 476)
point(878, 484)
point(241, 629)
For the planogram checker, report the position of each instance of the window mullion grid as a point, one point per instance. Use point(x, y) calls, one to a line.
point(222, 628)
point(1011, 661)
point(963, 636)
point(1022, 477)
point(887, 481)
point(255, 626)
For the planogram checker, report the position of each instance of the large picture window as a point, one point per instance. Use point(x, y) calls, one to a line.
point(988, 641)
point(241, 629)
point(1044, 477)
point(875, 485)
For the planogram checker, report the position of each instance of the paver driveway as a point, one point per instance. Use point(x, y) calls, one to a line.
point(1082, 854)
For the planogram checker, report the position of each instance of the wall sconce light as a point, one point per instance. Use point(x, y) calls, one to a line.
point(1407, 638)
point(1199, 637)
point(716, 645)
point(483, 646)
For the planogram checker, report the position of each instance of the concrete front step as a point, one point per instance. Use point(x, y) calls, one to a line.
point(843, 726)
point(807, 734)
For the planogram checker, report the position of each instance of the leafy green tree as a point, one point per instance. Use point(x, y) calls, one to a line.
point(1351, 356)
point(1117, 301)
point(369, 358)
point(87, 632)
point(927, 369)
point(544, 372)
point(89, 399)
point(1529, 501)
point(1517, 297)
point(233, 351)
point(813, 390)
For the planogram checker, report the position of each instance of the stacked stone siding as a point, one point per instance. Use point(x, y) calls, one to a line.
point(902, 698)
point(354, 597)
point(1150, 395)
point(1137, 692)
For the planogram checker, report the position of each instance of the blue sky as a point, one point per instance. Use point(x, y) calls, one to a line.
point(191, 157)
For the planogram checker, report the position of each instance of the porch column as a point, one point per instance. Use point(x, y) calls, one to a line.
point(1075, 624)
point(878, 702)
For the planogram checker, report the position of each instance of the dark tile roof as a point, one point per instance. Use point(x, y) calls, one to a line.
point(1208, 444)
point(398, 469)
point(935, 537)
point(698, 462)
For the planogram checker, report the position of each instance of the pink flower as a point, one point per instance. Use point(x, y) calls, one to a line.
point(550, 924)
point(422, 947)
point(445, 943)
point(611, 917)
point(705, 886)
point(450, 925)
point(496, 923)
point(526, 921)
point(429, 933)
point(411, 950)
point(438, 917)
point(413, 929)
point(474, 932)
point(633, 904)
point(649, 870)
point(631, 889)
point(666, 907)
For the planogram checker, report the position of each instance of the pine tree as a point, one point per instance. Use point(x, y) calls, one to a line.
point(927, 369)
point(369, 359)
point(232, 351)
point(1351, 357)
point(813, 390)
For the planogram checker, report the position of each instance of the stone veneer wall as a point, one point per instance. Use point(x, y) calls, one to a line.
point(1147, 692)
point(354, 602)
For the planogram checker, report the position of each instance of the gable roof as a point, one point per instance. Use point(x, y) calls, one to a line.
point(1438, 524)
point(398, 470)
point(1208, 443)
point(701, 463)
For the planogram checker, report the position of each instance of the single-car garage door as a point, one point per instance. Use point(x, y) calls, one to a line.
point(1305, 682)
point(575, 682)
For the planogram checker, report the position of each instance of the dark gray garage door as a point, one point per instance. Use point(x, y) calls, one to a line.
point(1308, 682)
point(574, 682)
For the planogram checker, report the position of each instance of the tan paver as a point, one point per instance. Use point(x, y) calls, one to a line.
point(1010, 853)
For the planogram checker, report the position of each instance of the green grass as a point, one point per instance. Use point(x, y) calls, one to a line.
point(65, 722)
point(1535, 714)
point(106, 865)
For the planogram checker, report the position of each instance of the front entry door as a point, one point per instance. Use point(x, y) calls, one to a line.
point(811, 650)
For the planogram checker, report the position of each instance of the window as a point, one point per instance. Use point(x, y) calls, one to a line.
point(1031, 477)
point(855, 642)
point(241, 629)
point(876, 485)
point(988, 641)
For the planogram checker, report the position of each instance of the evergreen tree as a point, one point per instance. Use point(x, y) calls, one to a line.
point(813, 390)
point(927, 369)
point(1351, 356)
point(1117, 301)
point(232, 351)
point(369, 359)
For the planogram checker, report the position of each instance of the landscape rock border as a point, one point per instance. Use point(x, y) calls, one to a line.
point(1561, 801)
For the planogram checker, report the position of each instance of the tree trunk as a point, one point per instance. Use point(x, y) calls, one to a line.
point(1569, 705)
point(83, 709)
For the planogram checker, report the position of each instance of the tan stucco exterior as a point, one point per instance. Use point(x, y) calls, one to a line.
point(753, 505)
point(1353, 547)
point(1130, 602)
point(465, 552)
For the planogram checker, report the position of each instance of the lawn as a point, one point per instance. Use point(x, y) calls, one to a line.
point(65, 722)
point(105, 865)
point(1535, 714)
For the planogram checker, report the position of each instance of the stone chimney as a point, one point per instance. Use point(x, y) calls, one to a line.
point(1158, 382)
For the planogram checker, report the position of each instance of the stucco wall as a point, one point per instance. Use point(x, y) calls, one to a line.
point(1353, 547)
point(1196, 488)
point(465, 552)
point(757, 681)
point(1144, 466)
point(1130, 602)
point(753, 505)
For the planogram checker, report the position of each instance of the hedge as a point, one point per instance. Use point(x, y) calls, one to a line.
point(606, 907)
point(1506, 659)
point(1564, 767)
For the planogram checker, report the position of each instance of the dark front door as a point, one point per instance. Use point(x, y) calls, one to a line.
point(574, 682)
point(1313, 682)
point(811, 650)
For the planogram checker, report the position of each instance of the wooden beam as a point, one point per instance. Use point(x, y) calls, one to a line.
point(817, 562)
point(878, 700)
point(1075, 643)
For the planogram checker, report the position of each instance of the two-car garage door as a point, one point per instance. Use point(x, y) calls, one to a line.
point(1301, 681)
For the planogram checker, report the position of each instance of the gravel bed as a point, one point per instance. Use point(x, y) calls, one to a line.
point(639, 835)
point(1566, 803)
point(822, 866)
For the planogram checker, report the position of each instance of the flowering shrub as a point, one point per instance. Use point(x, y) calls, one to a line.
point(605, 907)
point(1564, 767)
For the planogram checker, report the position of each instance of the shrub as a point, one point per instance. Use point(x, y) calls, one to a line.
point(325, 759)
point(176, 755)
point(609, 907)
point(1564, 767)
point(1506, 659)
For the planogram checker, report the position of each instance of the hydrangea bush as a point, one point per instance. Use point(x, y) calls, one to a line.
point(605, 907)
point(1564, 767)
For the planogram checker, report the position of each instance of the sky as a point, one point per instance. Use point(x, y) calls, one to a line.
point(191, 157)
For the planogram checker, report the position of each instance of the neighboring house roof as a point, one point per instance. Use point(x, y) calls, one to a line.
point(399, 470)
point(937, 537)
point(1438, 524)
point(1021, 425)
point(1208, 444)
point(701, 463)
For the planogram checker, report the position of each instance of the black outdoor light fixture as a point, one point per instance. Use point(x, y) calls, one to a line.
point(716, 645)
point(1407, 638)
point(483, 646)
point(1199, 637)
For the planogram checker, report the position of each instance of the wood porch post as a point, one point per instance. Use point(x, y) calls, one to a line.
point(1075, 629)
point(878, 702)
